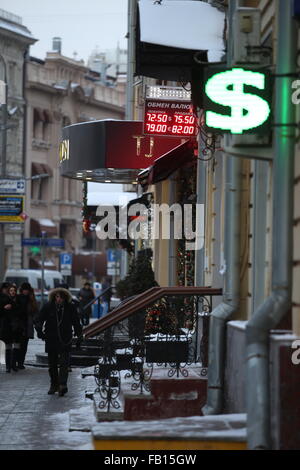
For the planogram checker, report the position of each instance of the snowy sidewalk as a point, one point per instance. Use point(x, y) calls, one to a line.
point(30, 419)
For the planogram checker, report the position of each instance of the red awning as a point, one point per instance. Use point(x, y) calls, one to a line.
point(40, 169)
point(164, 166)
point(42, 225)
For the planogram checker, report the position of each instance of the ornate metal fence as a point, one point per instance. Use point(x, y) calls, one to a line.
point(168, 327)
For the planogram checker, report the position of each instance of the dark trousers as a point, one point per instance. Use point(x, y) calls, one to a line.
point(58, 367)
point(23, 351)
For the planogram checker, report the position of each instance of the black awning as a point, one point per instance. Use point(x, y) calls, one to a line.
point(167, 164)
point(172, 47)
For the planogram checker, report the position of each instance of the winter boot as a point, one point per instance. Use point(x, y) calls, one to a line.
point(8, 359)
point(54, 381)
point(53, 388)
point(14, 358)
point(62, 390)
point(20, 359)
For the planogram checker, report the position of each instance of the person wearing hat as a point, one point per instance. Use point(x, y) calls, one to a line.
point(29, 310)
point(56, 323)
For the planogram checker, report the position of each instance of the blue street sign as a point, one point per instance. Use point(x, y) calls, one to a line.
point(50, 242)
point(31, 242)
point(55, 242)
point(65, 258)
point(111, 255)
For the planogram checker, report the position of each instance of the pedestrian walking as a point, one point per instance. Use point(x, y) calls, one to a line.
point(55, 324)
point(11, 328)
point(75, 302)
point(86, 295)
point(29, 310)
point(106, 298)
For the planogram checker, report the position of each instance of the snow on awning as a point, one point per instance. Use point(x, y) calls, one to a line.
point(186, 33)
point(185, 24)
point(109, 199)
point(42, 225)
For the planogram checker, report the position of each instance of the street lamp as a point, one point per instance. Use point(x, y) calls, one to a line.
point(3, 104)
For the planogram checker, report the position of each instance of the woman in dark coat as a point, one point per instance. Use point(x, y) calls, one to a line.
point(55, 324)
point(29, 310)
point(12, 329)
point(5, 327)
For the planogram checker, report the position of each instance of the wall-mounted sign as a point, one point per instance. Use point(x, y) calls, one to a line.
point(66, 264)
point(170, 118)
point(49, 242)
point(12, 209)
point(12, 186)
point(237, 101)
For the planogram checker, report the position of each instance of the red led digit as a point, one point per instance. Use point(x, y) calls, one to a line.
point(162, 117)
point(151, 117)
point(177, 120)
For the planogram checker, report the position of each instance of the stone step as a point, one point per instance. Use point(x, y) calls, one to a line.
point(144, 407)
point(169, 396)
point(87, 351)
point(76, 360)
point(223, 432)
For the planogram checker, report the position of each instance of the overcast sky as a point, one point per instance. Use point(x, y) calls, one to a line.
point(82, 24)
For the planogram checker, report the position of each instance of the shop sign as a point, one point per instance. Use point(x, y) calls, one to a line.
point(12, 209)
point(237, 101)
point(170, 118)
point(12, 186)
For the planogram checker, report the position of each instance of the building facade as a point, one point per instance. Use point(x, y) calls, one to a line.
point(59, 91)
point(15, 40)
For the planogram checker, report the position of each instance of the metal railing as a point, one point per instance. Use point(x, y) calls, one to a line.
point(160, 326)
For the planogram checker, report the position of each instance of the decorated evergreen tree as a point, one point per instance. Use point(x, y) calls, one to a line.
point(140, 276)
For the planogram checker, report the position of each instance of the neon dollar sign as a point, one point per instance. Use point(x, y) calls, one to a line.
point(248, 111)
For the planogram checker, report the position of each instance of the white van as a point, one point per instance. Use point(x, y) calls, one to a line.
point(52, 278)
point(34, 277)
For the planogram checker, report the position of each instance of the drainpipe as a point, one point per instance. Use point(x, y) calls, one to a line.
point(223, 312)
point(132, 8)
point(269, 314)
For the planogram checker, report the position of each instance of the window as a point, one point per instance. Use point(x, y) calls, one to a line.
point(38, 120)
point(48, 120)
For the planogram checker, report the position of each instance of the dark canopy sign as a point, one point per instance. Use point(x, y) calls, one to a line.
point(110, 151)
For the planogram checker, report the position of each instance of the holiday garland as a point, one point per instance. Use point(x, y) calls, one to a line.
point(186, 258)
point(161, 319)
point(86, 220)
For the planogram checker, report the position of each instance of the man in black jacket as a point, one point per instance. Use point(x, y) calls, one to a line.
point(59, 318)
point(86, 295)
